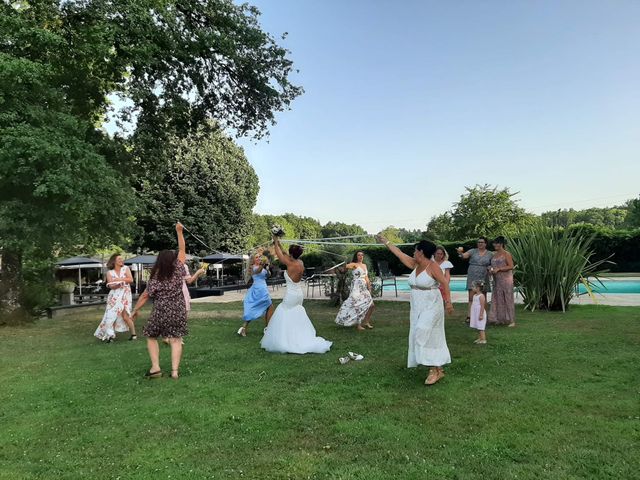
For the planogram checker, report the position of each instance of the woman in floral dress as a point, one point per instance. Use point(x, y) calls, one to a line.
point(503, 309)
point(168, 317)
point(358, 308)
point(117, 315)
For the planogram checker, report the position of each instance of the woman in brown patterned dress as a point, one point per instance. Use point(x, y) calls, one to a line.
point(168, 317)
point(502, 302)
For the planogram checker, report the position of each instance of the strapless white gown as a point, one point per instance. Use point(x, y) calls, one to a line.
point(290, 330)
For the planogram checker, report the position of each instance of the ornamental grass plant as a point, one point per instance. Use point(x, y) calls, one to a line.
point(551, 263)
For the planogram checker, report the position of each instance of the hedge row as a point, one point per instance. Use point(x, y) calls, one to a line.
point(624, 245)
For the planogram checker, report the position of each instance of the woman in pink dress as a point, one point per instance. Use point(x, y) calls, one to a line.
point(502, 301)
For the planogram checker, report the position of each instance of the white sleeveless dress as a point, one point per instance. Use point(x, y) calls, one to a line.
point(427, 341)
point(290, 330)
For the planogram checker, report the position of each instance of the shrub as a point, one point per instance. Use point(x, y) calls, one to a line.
point(550, 263)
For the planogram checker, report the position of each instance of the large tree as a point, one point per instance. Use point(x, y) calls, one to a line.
point(207, 184)
point(178, 63)
point(482, 210)
point(632, 220)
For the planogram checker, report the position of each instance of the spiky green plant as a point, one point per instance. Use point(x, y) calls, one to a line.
point(550, 263)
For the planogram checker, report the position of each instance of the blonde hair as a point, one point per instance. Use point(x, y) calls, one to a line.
point(444, 250)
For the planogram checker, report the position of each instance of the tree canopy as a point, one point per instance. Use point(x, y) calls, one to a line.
point(482, 211)
point(179, 64)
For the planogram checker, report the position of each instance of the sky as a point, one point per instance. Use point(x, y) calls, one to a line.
point(407, 102)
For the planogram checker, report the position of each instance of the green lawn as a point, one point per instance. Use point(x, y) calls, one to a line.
point(557, 397)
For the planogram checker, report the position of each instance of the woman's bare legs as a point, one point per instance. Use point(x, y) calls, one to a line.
point(176, 355)
point(267, 317)
point(154, 354)
point(367, 317)
point(129, 321)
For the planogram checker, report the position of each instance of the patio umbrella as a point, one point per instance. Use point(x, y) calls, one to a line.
point(141, 261)
point(79, 263)
point(224, 257)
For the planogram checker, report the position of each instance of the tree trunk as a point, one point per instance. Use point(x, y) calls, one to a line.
point(10, 285)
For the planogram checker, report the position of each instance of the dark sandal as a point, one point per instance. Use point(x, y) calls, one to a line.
point(151, 374)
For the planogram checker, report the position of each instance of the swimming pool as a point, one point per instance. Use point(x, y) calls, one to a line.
point(610, 286)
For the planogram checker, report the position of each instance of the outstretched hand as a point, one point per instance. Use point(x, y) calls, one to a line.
point(381, 238)
point(179, 227)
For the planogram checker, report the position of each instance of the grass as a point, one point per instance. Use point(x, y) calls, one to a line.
point(555, 398)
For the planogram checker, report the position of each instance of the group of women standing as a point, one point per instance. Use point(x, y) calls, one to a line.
point(487, 268)
point(288, 328)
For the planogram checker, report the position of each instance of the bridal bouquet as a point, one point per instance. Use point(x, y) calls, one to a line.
point(277, 230)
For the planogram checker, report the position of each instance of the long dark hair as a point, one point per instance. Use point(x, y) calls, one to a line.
point(355, 256)
point(426, 247)
point(165, 265)
point(111, 263)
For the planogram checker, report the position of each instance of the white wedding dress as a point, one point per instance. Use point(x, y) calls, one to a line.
point(290, 330)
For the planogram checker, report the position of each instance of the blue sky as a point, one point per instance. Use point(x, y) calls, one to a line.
point(407, 102)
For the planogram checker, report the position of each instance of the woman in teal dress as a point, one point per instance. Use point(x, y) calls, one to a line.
point(257, 301)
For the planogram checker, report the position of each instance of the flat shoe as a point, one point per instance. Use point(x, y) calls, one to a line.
point(355, 356)
point(343, 360)
point(151, 374)
point(433, 379)
point(242, 332)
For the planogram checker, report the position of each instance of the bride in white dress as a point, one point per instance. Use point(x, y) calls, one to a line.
point(290, 330)
point(427, 341)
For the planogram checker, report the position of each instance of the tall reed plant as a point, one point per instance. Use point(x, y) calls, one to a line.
point(550, 264)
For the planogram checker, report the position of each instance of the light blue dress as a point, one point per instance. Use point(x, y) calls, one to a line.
point(257, 300)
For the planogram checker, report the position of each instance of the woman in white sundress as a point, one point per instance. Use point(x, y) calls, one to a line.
point(358, 308)
point(290, 330)
point(427, 341)
point(117, 315)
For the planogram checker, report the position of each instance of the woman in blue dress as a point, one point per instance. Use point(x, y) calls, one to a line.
point(257, 301)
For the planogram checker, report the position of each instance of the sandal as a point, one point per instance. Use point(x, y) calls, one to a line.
point(242, 332)
point(369, 326)
point(355, 356)
point(133, 337)
point(433, 378)
point(151, 374)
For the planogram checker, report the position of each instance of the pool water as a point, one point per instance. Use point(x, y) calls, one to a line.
point(610, 286)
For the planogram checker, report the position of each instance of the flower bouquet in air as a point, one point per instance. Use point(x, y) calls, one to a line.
point(204, 266)
point(277, 230)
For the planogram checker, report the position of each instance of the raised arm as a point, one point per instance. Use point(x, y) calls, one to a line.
point(462, 254)
point(408, 261)
point(182, 249)
point(284, 258)
point(195, 276)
